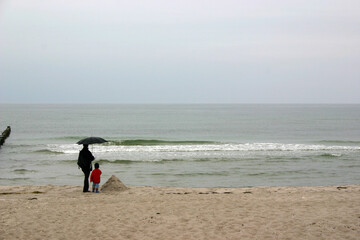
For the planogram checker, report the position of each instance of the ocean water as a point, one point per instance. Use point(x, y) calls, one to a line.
point(184, 145)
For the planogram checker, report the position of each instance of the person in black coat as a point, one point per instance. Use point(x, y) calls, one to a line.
point(84, 162)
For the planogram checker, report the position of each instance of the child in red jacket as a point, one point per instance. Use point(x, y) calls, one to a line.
point(95, 178)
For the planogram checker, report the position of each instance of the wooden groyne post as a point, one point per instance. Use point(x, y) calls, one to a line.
point(5, 134)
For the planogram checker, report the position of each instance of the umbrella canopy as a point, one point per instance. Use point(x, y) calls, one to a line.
point(91, 140)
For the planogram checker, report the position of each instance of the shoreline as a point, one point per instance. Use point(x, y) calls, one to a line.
point(146, 212)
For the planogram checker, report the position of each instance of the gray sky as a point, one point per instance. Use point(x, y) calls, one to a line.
point(189, 51)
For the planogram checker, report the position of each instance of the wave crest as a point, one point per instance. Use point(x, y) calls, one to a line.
point(154, 142)
point(141, 146)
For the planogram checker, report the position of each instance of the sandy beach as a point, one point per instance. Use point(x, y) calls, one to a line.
point(64, 212)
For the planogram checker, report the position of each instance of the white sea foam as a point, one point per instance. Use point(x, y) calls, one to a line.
point(246, 147)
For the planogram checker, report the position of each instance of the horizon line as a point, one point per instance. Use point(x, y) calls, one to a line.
point(174, 103)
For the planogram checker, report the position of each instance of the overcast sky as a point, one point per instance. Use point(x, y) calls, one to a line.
point(188, 51)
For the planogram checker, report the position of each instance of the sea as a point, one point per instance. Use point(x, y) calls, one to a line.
point(184, 145)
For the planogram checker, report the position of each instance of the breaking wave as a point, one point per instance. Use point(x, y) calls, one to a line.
point(339, 142)
point(154, 142)
point(193, 146)
point(47, 151)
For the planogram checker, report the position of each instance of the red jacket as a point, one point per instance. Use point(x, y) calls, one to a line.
point(95, 175)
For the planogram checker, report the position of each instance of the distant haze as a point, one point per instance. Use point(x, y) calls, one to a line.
point(198, 51)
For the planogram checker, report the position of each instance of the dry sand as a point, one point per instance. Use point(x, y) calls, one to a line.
point(64, 212)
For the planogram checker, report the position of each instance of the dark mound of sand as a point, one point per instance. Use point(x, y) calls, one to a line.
point(113, 184)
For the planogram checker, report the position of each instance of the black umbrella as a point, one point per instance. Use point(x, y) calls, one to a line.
point(91, 140)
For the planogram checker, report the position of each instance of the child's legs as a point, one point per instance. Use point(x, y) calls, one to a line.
point(96, 186)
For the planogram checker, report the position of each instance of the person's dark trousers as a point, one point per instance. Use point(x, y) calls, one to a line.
point(86, 180)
